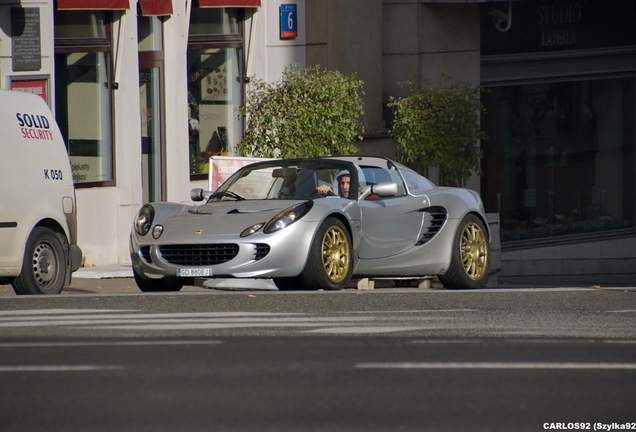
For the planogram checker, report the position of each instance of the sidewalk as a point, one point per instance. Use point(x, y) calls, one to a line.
point(104, 272)
point(627, 280)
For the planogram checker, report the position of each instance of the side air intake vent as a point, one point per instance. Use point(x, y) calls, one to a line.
point(436, 218)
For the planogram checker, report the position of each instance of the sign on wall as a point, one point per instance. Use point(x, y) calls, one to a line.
point(288, 21)
point(35, 86)
point(25, 39)
point(548, 26)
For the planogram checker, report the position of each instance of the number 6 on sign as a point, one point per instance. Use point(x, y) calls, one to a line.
point(288, 21)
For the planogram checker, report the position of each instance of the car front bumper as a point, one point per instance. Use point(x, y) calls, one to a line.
point(286, 255)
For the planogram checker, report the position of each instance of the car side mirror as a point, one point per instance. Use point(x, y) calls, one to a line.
point(384, 189)
point(198, 194)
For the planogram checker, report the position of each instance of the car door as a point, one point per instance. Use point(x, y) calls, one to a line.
point(390, 225)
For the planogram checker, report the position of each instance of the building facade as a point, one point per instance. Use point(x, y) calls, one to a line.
point(145, 91)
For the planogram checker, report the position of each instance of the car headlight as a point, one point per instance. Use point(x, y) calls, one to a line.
point(287, 217)
point(144, 219)
point(157, 231)
point(251, 230)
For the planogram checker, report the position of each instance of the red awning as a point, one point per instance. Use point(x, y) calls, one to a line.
point(156, 7)
point(230, 3)
point(93, 4)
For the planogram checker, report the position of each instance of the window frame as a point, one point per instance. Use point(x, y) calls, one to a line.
point(220, 41)
point(94, 45)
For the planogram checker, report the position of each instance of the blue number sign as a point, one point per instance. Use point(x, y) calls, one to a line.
point(288, 21)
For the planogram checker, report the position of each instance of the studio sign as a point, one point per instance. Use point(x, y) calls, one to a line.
point(559, 15)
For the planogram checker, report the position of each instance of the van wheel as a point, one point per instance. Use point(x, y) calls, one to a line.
point(160, 285)
point(44, 265)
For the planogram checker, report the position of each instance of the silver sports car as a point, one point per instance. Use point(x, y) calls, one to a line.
point(314, 224)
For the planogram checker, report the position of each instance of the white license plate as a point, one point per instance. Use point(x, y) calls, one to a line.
point(193, 272)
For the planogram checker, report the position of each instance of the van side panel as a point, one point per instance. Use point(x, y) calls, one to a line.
point(35, 176)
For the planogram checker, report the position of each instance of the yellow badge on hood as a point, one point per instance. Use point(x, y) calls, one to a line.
point(198, 232)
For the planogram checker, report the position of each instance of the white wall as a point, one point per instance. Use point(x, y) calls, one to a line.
point(46, 43)
point(105, 214)
point(269, 55)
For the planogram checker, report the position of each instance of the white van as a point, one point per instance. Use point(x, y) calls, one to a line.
point(38, 220)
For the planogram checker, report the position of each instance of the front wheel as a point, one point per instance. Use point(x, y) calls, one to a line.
point(158, 285)
point(330, 261)
point(469, 262)
point(44, 265)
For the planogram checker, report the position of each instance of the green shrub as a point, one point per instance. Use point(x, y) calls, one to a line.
point(309, 113)
point(438, 126)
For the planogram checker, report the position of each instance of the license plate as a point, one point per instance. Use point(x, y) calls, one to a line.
point(193, 272)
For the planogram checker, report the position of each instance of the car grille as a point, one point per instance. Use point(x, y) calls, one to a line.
point(199, 254)
point(145, 253)
point(261, 251)
point(437, 219)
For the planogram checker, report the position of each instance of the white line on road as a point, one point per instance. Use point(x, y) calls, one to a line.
point(40, 312)
point(58, 368)
point(108, 343)
point(368, 330)
point(497, 365)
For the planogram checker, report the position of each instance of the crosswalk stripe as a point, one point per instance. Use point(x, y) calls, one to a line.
point(498, 365)
point(58, 368)
point(109, 319)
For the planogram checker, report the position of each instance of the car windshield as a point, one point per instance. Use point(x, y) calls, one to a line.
point(297, 180)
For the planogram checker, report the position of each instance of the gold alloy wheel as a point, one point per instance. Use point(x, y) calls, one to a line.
point(474, 250)
point(335, 254)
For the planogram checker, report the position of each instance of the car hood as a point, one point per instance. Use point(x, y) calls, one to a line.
point(225, 218)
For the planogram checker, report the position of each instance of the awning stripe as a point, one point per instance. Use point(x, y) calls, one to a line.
point(93, 4)
point(156, 7)
point(230, 3)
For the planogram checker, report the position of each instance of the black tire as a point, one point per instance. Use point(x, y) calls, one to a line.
point(44, 266)
point(471, 251)
point(158, 285)
point(330, 261)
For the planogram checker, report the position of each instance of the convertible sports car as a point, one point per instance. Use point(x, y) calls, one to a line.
point(314, 224)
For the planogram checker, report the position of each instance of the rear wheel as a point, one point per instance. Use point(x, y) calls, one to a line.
point(469, 263)
point(330, 260)
point(158, 285)
point(44, 264)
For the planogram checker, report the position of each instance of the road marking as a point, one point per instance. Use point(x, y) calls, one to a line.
point(108, 343)
point(41, 312)
point(366, 330)
point(357, 322)
point(58, 368)
point(497, 365)
point(526, 341)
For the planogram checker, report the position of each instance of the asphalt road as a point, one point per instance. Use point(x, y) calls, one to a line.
point(104, 357)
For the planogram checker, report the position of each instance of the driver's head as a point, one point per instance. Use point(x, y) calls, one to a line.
point(344, 183)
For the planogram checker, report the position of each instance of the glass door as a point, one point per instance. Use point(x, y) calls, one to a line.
point(151, 128)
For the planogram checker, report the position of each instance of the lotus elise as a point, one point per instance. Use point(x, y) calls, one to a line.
point(314, 224)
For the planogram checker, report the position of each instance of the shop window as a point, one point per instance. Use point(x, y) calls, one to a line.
point(214, 63)
point(559, 158)
point(214, 21)
point(83, 93)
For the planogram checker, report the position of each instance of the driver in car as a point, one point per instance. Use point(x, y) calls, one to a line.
point(344, 182)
